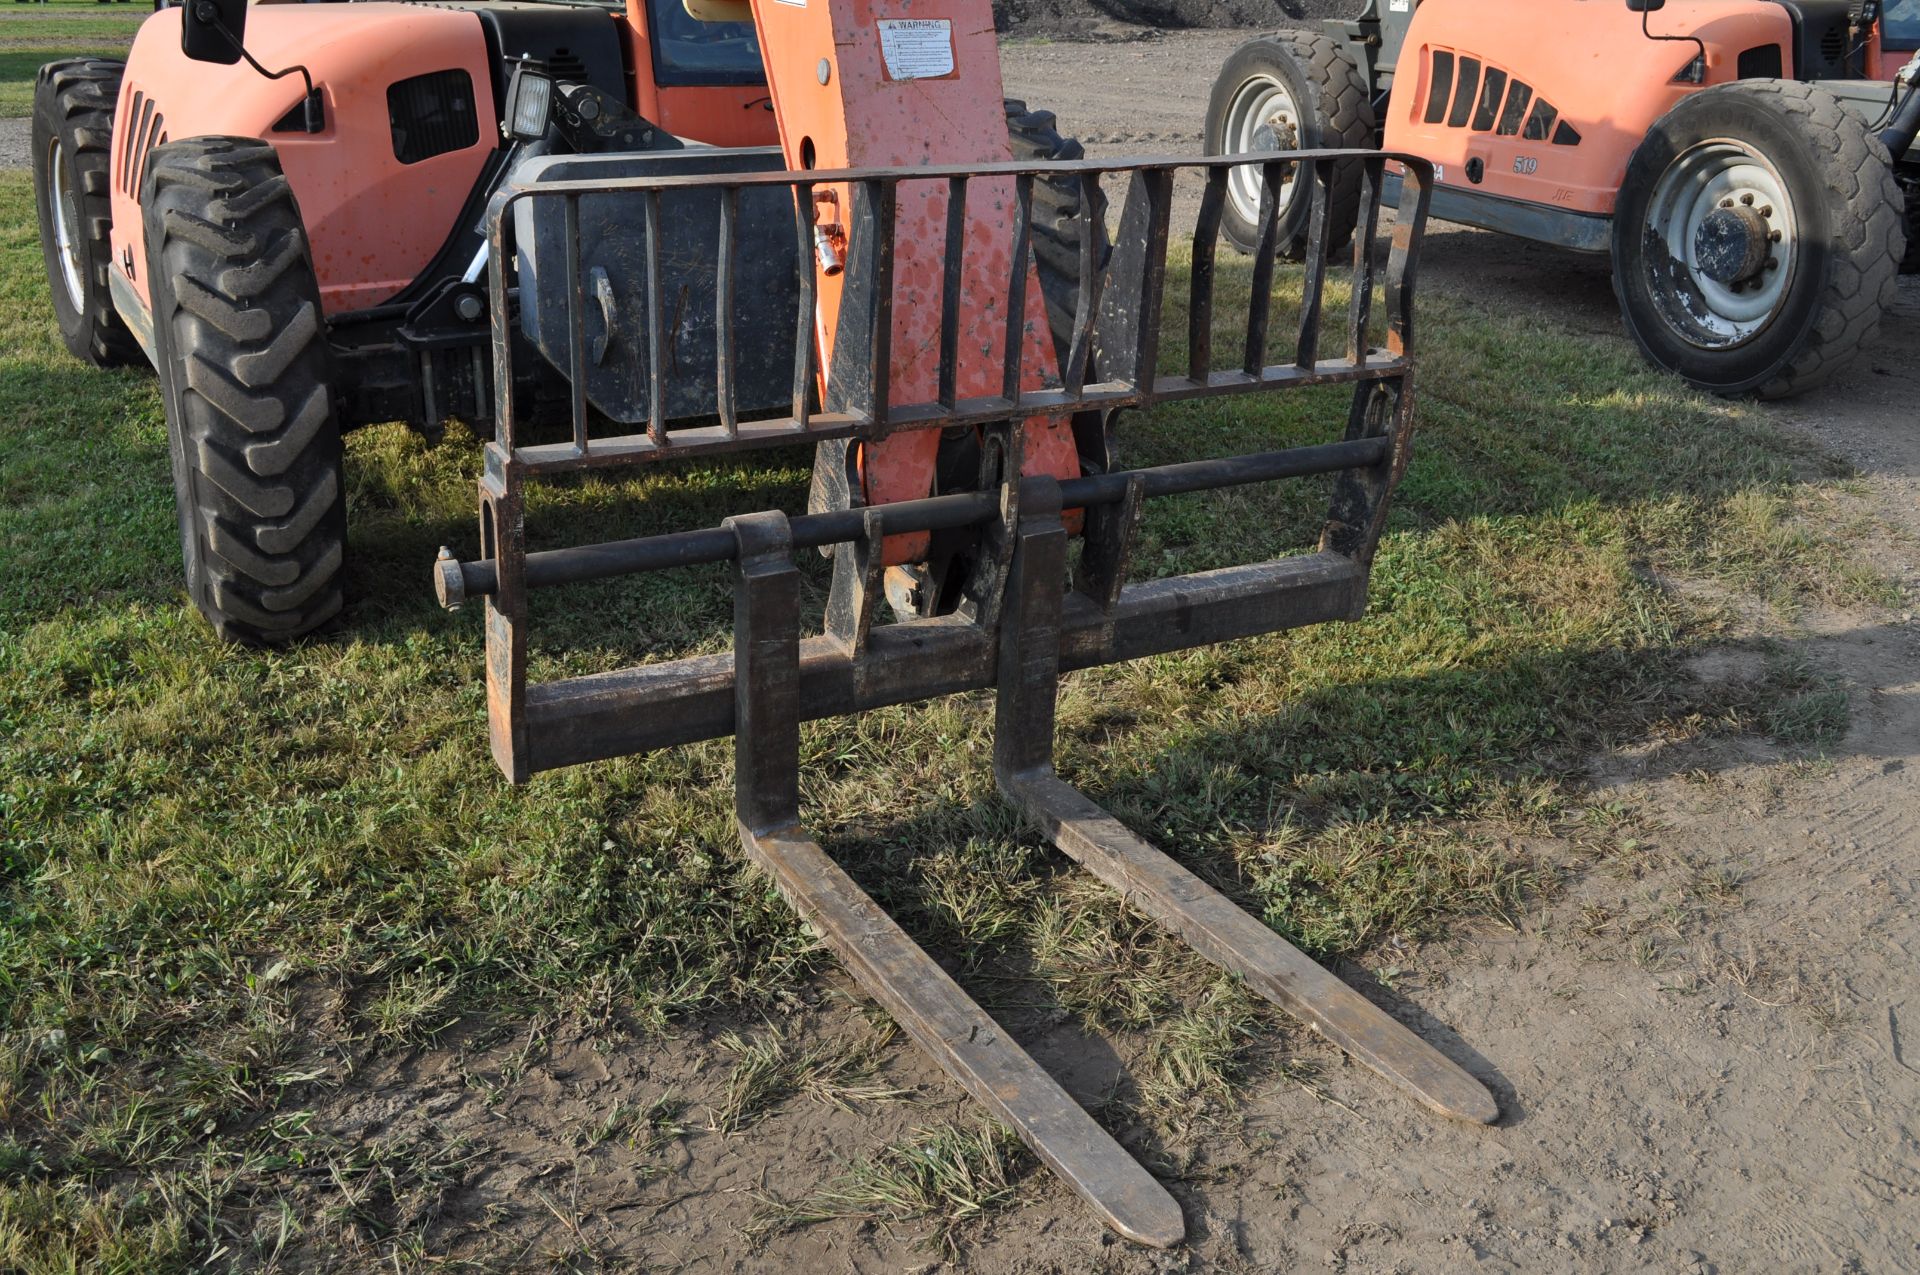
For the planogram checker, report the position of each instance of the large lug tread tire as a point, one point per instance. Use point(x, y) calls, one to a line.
point(1337, 114)
point(73, 104)
point(1059, 228)
point(1853, 236)
point(242, 345)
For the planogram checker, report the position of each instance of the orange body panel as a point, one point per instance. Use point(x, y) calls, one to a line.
point(719, 115)
point(1589, 60)
point(856, 115)
point(374, 222)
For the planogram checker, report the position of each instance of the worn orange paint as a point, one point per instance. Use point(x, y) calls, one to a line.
point(862, 117)
point(1592, 62)
point(374, 222)
point(719, 115)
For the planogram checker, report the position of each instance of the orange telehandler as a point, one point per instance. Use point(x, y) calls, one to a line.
point(373, 135)
point(1748, 164)
point(943, 313)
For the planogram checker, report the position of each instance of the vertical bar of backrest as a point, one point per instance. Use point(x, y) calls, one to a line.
point(804, 349)
point(950, 283)
point(576, 325)
point(500, 248)
point(1409, 224)
point(1206, 246)
point(1014, 354)
point(726, 401)
point(1158, 184)
point(656, 327)
point(1260, 303)
point(1073, 377)
point(1361, 313)
point(1318, 180)
point(880, 195)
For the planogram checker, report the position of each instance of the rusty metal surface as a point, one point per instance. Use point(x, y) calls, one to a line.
point(869, 410)
point(912, 987)
point(1029, 676)
point(1227, 936)
point(1020, 616)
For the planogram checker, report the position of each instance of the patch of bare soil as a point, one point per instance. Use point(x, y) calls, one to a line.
point(1075, 19)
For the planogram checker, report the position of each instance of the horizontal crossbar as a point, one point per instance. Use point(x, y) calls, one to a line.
point(822, 427)
point(456, 582)
point(603, 715)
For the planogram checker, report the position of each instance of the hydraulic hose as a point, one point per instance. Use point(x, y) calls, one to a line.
point(1898, 136)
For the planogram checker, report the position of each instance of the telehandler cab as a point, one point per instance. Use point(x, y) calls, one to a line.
point(919, 281)
point(1749, 164)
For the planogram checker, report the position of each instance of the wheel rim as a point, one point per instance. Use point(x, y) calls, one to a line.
point(1262, 117)
point(66, 228)
point(1730, 234)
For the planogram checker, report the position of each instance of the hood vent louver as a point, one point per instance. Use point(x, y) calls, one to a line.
point(136, 144)
point(1467, 94)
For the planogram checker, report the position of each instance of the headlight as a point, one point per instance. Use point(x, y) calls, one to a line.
point(529, 102)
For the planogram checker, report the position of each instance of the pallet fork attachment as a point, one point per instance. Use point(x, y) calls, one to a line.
point(1027, 611)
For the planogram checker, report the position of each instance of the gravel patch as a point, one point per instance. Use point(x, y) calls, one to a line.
point(16, 143)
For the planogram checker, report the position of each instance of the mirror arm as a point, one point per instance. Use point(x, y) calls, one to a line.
point(1695, 40)
point(315, 111)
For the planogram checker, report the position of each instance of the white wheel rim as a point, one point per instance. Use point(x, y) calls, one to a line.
point(1721, 177)
point(65, 232)
point(1261, 117)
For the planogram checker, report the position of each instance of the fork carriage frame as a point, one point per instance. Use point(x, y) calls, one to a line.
point(1025, 614)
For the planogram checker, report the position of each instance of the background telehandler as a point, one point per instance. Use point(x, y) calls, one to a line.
point(1748, 163)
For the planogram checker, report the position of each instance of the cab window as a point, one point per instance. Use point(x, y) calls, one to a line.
point(1900, 25)
point(689, 51)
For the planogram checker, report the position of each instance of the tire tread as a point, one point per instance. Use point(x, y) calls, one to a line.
point(248, 390)
point(77, 97)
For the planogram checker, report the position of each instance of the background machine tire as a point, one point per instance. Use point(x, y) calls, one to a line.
point(1295, 90)
point(1058, 227)
point(72, 147)
point(1757, 239)
point(242, 350)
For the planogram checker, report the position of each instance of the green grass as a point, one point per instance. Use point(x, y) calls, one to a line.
point(950, 1173)
point(190, 834)
point(19, 66)
point(33, 35)
point(69, 22)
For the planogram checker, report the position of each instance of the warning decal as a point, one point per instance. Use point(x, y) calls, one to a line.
point(916, 48)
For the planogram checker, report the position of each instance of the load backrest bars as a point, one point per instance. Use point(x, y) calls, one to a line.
point(1100, 375)
point(1113, 363)
point(1027, 611)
